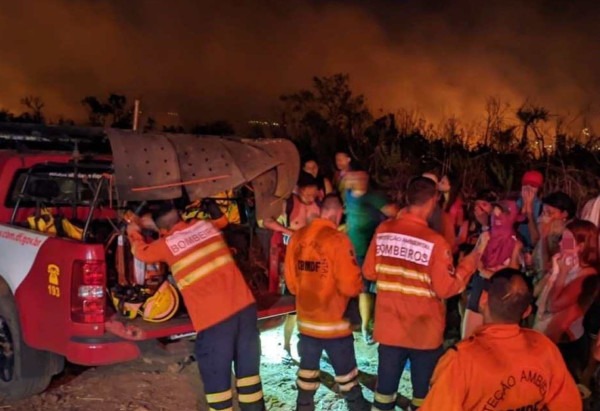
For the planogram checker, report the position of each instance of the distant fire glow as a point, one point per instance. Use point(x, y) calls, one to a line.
point(232, 60)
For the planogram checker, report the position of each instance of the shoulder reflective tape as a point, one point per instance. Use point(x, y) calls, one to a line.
point(23, 247)
point(404, 272)
point(404, 247)
point(405, 289)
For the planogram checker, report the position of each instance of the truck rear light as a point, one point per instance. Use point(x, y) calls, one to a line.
point(88, 298)
point(91, 291)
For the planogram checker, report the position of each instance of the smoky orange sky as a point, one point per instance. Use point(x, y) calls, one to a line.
point(212, 60)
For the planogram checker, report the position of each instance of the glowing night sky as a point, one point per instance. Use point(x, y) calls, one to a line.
point(231, 60)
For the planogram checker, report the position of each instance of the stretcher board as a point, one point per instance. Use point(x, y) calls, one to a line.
point(288, 165)
point(203, 158)
point(267, 204)
point(144, 160)
point(251, 160)
point(155, 166)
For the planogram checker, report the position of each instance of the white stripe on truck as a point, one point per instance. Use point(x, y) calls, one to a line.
point(19, 250)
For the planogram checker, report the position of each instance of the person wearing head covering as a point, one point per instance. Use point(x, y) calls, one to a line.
point(530, 205)
point(503, 366)
point(503, 250)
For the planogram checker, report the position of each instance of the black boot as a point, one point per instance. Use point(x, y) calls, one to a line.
point(306, 400)
point(356, 401)
point(253, 406)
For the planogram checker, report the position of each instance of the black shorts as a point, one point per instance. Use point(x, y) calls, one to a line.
point(368, 285)
point(591, 321)
point(477, 287)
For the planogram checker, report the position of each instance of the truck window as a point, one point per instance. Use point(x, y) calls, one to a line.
point(56, 187)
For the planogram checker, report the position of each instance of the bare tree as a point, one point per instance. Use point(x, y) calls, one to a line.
point(495, 113)
point(35, 105)
point(97, 111)
point(115, 107)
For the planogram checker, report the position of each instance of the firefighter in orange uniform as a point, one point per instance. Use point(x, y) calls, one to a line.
point(218, 300)
point(299, 209)
point(413, 268)
point(321, 270)
point(503, 366)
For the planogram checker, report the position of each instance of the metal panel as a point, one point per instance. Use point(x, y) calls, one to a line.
point(142, 161)
point(211, 164)
point(252, 161)
point(267, 205)
point(206, 166)
point(288, 159)
point(155, 166)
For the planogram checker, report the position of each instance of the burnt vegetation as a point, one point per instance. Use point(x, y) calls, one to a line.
point(394, 146)
point(492, 153)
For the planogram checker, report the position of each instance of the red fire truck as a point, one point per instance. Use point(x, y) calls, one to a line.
point(54, 302)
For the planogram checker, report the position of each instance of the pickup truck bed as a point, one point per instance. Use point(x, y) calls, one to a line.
point(269, 306)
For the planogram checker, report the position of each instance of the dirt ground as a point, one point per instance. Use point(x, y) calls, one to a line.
point(159, 383)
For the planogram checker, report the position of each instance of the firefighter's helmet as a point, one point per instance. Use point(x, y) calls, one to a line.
point(128, 300)
point(162, 305)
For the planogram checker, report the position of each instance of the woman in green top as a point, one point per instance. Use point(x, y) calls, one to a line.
point(365, 209)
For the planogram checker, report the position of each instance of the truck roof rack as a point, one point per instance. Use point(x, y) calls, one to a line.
point(42, 137)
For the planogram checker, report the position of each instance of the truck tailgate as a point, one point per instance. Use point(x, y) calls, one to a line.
point(269, 306)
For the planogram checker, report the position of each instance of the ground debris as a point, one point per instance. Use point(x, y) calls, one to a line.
point(156, 385)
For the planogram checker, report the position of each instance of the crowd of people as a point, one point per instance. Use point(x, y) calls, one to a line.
point(522, 268)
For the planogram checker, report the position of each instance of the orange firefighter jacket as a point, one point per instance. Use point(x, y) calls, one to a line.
point(321, 270)
point(414, 271)
point(502, 367)
point(212, 286)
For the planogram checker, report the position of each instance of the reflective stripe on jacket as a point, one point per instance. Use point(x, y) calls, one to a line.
point(320, 269)
point(212, 286)
point(413, 268)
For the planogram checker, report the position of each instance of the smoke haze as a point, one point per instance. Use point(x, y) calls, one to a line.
point(213, 60)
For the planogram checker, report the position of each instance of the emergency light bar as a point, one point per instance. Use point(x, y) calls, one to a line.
point(42, 137)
